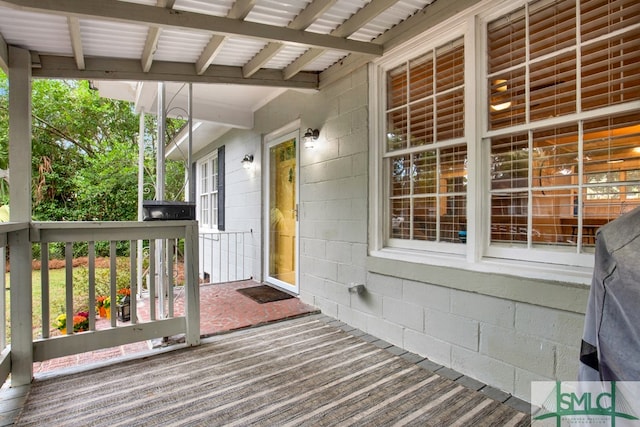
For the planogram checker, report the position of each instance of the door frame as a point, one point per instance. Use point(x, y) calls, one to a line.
point(279, 136)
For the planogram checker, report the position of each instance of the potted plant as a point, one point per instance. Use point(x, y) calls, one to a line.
point(80, 322)
point(102, 311)
point(61, 323)
point(106, 303)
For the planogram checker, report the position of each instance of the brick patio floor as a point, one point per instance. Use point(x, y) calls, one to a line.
point(222, 309)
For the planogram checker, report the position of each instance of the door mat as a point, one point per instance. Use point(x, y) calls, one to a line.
point(263, 294)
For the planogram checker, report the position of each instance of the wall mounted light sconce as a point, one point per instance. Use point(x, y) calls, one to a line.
point(310, 137)
point(247, 161)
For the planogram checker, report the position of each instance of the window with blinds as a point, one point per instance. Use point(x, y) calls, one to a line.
point(555, 179)
point(425, 149)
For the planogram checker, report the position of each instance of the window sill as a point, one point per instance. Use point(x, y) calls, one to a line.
point(559, 287)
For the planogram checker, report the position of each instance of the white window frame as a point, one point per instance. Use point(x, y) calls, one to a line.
point(477, 254)
point(211, 162)
point(553, 257)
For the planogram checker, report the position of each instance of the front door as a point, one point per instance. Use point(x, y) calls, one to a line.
point(282, 215)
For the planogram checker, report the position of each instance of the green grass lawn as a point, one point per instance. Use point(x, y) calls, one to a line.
point(56, 299)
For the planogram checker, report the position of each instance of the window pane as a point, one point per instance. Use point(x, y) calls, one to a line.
point(632, 189)
point(552, 26)
point(450, 113)
point(214, 175)
point(553, 215)
point(204, 178)
point(397, 87)
point(553, 87)
point(602, 200)
point(506, 41)
point(555, 157)
point(510, 162)
point(204, 209)
point(611, 71)
point(426, 173)
point(421, 77)
point(600, 17)
point(422, 123)
point(509, 217)
point(401, 171)
point(400, 218)
point(425, 219)
point(611, 144)
point(214, 211)
point(453, 188)
point(397, 129)
point(450, 66)
point(507, 101)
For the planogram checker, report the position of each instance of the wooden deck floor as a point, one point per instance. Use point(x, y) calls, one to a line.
point(307, 371)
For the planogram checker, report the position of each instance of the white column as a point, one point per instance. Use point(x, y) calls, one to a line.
point(20, 207)
point(140, 196)
point(160, 169)
point(191, 187)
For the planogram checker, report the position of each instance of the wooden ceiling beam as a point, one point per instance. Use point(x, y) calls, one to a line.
point(348, 27)
point(239, 10)
point(76, 40)
point(151, 44)
point(130, 69)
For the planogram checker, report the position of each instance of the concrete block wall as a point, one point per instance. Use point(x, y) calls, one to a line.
point(503, 343)
point(334, 185)
point(243, 197)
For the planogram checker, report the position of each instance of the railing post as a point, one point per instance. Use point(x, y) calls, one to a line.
point(192, 294)
point(21, 322)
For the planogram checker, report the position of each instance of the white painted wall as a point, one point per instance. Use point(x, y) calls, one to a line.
point(502, 330)
point(242, 196)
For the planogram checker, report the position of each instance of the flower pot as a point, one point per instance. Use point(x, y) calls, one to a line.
point(102, 311)
point(63, 331)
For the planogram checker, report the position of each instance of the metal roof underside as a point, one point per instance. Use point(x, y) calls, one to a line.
point(239, 54)
point(279, 43)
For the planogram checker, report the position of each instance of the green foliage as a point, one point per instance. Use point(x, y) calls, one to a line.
point(103, 280)
point(85, 155)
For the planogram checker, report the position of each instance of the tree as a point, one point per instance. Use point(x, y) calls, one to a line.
point(85, 150)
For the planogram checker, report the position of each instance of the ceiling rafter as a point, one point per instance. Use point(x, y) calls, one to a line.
point(130, 69)
point(161, 17)
point(348, 27)
point(151, 44)
point(76, 40)
point(312, 12)
point(239, 10)
point(432, 14)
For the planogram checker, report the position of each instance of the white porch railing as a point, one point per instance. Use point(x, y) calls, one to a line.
point(225, 256)
point(6, 230)
point(167, 232)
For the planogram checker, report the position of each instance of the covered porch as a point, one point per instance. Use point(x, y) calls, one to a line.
point(75, 40)
point(313, 370)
